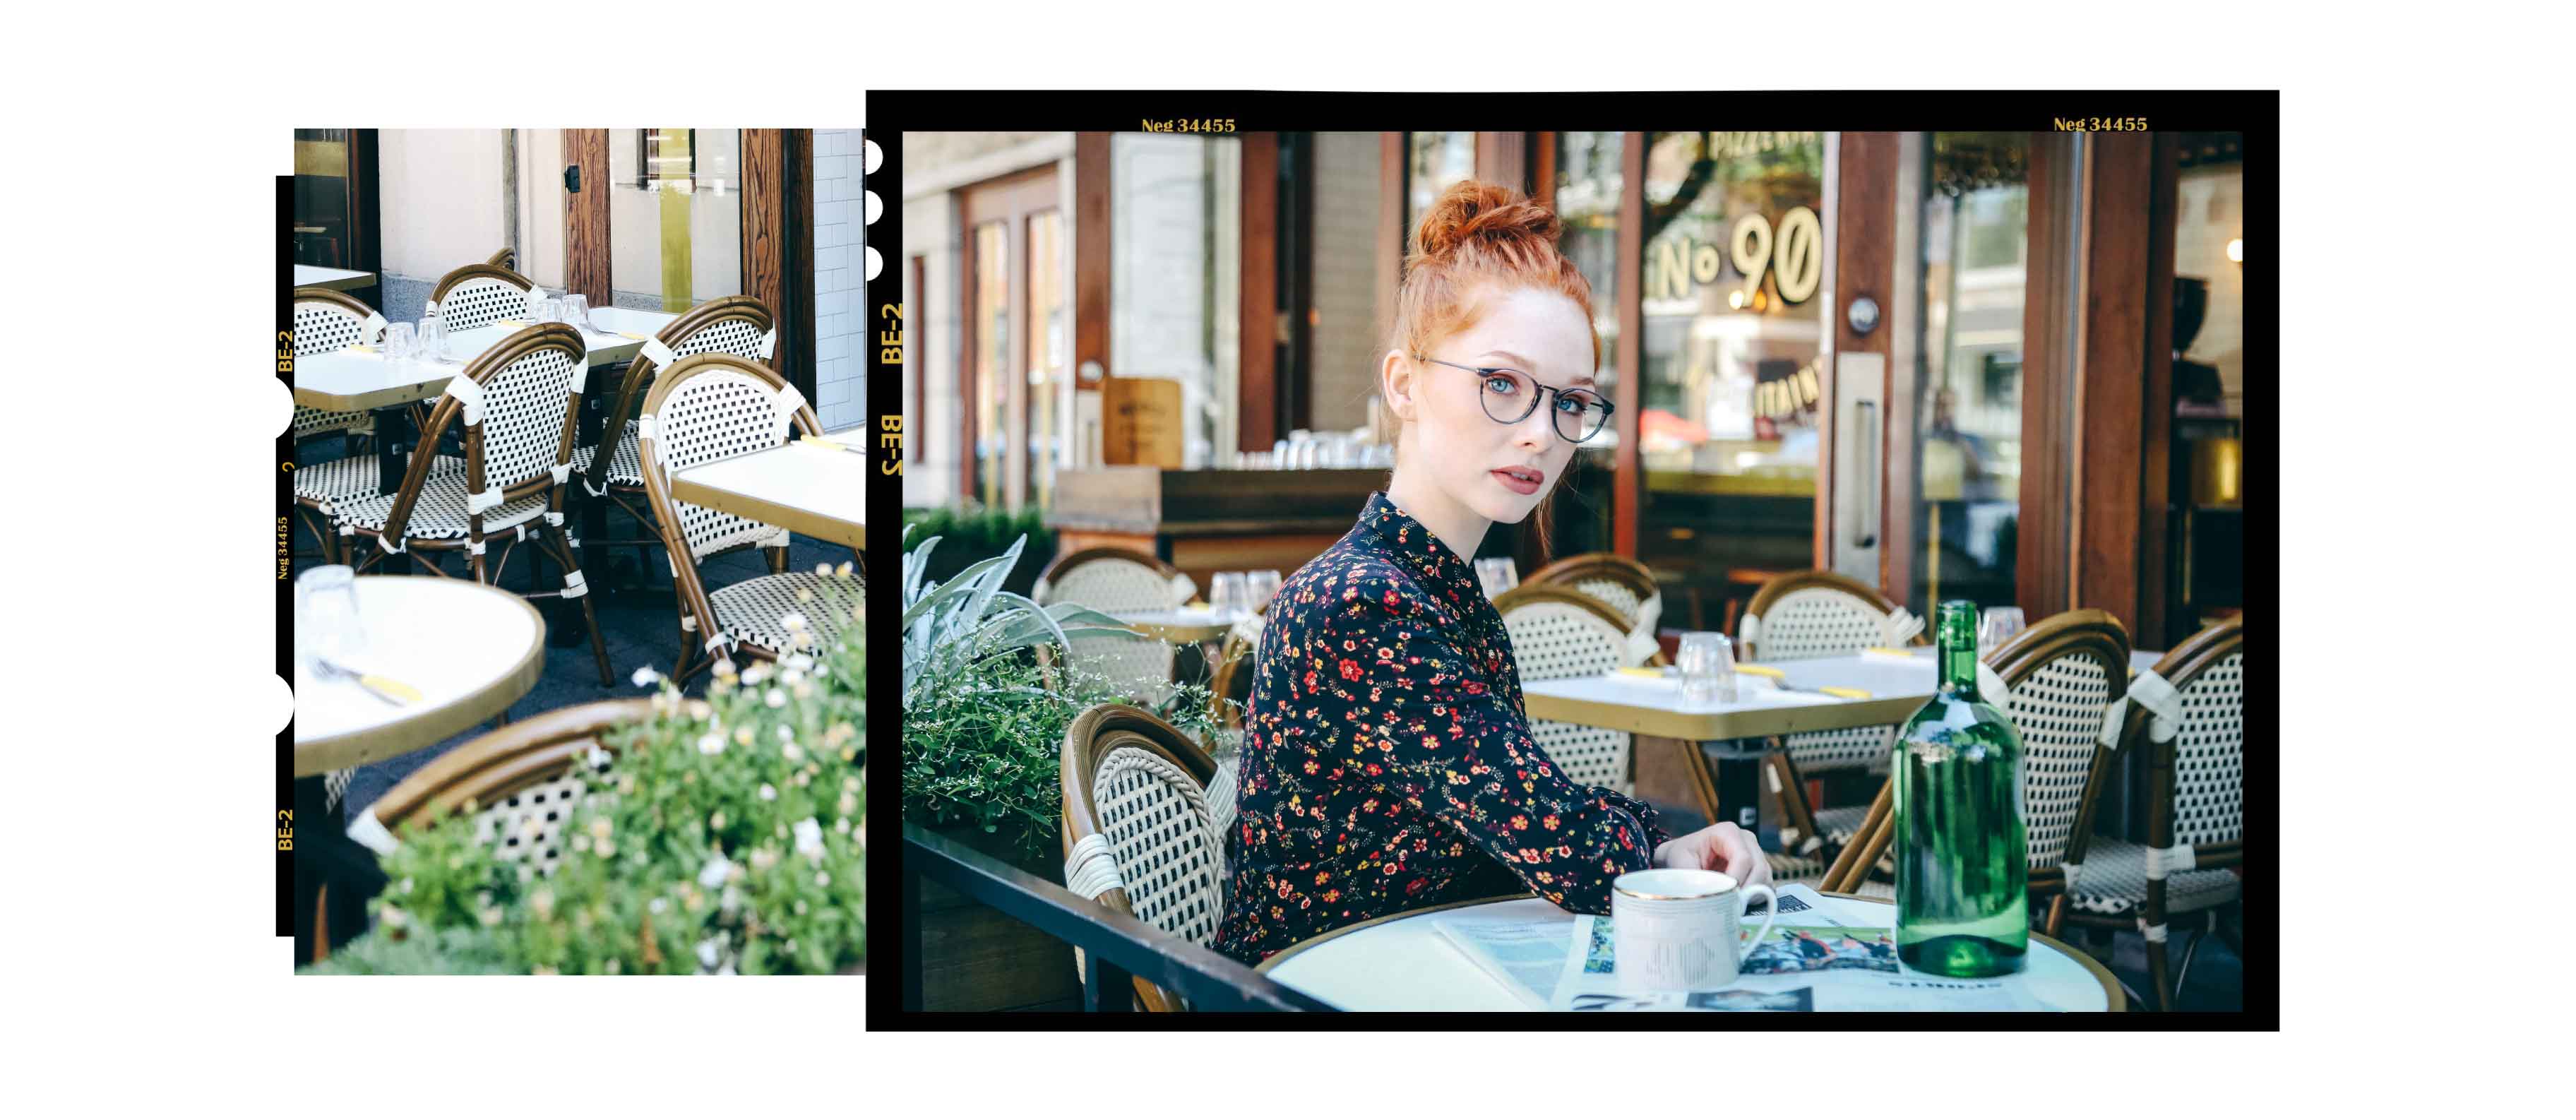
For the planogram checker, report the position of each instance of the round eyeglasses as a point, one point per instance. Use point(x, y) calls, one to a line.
point(1510, 396)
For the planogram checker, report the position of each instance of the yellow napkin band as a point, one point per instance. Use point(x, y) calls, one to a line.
point(819, 441)
point(632, 335)
point(409, 694)
point(361, 348)
point(1845, 693)
point(1640, 671)
point(1891, 651)
point(1762, 671)
point(512, 324)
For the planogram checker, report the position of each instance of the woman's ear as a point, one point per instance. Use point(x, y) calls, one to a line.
point(1397, 375)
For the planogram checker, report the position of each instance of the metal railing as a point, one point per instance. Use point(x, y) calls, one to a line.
point(1116, 947)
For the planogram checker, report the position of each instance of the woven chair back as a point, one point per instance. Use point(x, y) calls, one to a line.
point(521, 783)
point(1119, 581)
point(519, 429)
point(1623, 583)
point(2204, 752)
point(736, 325)
point(1139, 835)
point(327, 320)
point(713, 406)
point(1558, 632)
point(1818, 614)
point(479, 295)
point(2064, 673)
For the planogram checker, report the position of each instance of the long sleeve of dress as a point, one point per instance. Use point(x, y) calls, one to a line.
point(1445, 731)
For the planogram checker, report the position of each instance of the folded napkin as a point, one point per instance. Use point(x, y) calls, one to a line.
point(1845, 693)
point(363, 348)
point(1649, 672)
point(1761, 671)
point(819, 441)
point(1886, 655)
point(632, 335)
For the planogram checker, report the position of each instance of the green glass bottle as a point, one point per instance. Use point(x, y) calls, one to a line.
point(1962, 865)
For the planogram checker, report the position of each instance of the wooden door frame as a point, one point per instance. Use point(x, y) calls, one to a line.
point(2052, 342)
point(1257, 332)
point(1861, 170)
point(1090, 229)
point(1010, 199)
point(778, 242)
point(586, 218)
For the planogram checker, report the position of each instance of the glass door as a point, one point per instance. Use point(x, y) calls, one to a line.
point(1973, 267)
point(1018, 337)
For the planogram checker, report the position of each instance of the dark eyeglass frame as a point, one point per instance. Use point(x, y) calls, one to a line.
point(1608, 410)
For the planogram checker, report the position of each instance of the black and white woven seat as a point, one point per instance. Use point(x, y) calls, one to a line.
point(2188, 713)
point(1558, 632)
point(1821, 614)
point(713, 406)
point(1142, 836)
point(1119, 581)
point(1625, 585)
point(479, 295)
point(327, 320)
point(517, 402)
point(738, 325)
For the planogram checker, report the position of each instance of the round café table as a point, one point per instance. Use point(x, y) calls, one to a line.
point(1400, 963)
point(471, 650)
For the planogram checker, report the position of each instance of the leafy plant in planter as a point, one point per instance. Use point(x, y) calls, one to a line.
point(988, 696)
point(728, 834)
point(975, 531)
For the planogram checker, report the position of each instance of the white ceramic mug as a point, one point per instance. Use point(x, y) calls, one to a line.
point(1675, 929)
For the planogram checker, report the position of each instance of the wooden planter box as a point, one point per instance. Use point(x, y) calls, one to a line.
point(975, 959)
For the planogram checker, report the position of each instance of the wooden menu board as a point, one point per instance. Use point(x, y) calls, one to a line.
point(1140, 422)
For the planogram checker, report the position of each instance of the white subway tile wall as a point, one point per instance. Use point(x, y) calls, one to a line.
point(840, 264)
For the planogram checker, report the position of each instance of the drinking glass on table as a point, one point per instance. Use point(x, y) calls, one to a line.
point(576, 310)
point(1265, 587)
point(1497, 574)
point(1997, 627)
point(1227, 595)
point(326, 615)
point(401, 345)
point(433, 338)
point(1707, 667)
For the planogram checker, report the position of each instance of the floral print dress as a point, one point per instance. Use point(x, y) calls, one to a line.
point(1387, 760)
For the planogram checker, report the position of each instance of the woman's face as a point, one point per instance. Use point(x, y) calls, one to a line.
point(1501, 471)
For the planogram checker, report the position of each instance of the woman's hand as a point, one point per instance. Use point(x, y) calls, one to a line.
point(1719, 847)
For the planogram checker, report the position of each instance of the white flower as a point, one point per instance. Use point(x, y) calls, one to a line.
point(756, 674)
point(700, 709)
point(600, 828)
point(724, 667)
point(804, 596)
point(792, 620)
point(707, 952)
point(645, 676)
point(607, 849)
point(543, 902)
point(657, 905)
point(798, 661)
point(822, 878)
point(713, 874)
point(824, 569)
point(842, 826)
point(786, 734)
point(768, 792)
point(716, 822)
point(844, 569)
point(711, 743)
point(849, 803)
point(776, 699)
point(794, 753)
point(598, 755)
point(406, 884)
point(809, 837)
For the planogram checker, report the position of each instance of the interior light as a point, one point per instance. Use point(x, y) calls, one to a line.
point(1735, 300)
point(2236, 250)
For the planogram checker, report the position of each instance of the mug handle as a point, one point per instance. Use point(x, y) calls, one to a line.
point(1770, 917)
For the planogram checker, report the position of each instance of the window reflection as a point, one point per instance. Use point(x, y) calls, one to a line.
point(1433, 162)
point(1048, 349)
point(1976, 248)
point(993, 378)
point(1588, 188)
point(1176, 232)
point(1732, 353)
point(675, 215)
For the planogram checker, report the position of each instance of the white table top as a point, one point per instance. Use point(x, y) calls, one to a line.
point(350, 380)
point(1627, 702)
point(1406, 965)
point(818, 491)
point(338, 279)
point(471, 650)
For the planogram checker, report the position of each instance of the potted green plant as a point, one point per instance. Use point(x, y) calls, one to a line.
point(987, 699)
point(728, 834)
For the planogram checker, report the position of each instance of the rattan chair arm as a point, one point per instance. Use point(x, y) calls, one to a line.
point(464, 273)
point(498, 763)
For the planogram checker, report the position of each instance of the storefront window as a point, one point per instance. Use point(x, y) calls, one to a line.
point(1967, 407)
point(1049, 349)
point(675, 214)
point(1176, 248)
point(1433, 161)
point(993, 379)
point(1588, 188)
point(1732, 352)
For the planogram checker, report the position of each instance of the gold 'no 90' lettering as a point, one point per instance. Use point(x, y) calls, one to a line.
point(1794, 258)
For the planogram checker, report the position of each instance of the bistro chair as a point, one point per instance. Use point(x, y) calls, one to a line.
point(707, 407)
point(521, 782)
point(1558, 632)
point(1139, 836)
point(517, 401)
point(1229, 700)
point(1623, 584)
point(2058, 681)
point(479, 295)
point(1821, 614)
point(327, 320)
point(1119, 581)
point(613, 468)
point(2190, 711)
point(506, 258)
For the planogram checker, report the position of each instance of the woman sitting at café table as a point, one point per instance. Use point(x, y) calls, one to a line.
point(1387, 760)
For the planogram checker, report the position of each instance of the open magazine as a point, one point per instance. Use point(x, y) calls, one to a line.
point(1813, 960)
